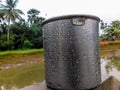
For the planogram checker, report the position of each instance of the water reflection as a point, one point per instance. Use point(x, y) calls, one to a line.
point(16, 78)
point(110, 62)
point(35, 86)
point(113, 63)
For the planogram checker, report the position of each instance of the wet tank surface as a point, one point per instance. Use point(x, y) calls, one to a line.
point(71, 46)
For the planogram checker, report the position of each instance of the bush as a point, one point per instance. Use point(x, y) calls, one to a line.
point(27, 44)
point(35, 36)
point(4, 44)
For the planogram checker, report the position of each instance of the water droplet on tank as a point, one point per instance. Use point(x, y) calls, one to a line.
point(62, 24)
point(83, 40)
point(70, 38)
point(77, 62)
point(57, 38)
point(88, 37)
point(85, 57)
point(59, 86)
point(55, 45)
point(49, 83)
point(52, 75)
point(70, 41)
point(57, 34)
point(68, 34)
point(57, 55)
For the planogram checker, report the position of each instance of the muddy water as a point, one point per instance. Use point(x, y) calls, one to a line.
point(110, 66)
point(110, 62)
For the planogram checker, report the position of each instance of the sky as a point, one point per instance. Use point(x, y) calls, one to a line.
point(107, 10)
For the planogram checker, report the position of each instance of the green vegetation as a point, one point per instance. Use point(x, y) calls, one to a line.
point(22, 76)
point(111, 32)
point(20, 56)
point(15, 32)
point(33, 17)
point(10, 14)
point(24, 51)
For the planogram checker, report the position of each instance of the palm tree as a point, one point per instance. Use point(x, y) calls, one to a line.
point(33, 17)
point(10, 13)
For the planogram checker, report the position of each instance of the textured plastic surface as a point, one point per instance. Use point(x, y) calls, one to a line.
point(72, 54)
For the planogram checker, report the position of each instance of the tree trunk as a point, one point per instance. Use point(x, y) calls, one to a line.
point(8, 33)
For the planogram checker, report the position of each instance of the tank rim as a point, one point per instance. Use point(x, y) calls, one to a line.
point(69, 17)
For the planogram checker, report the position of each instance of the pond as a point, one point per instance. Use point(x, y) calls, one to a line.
point(110, 61)
point(32, 76)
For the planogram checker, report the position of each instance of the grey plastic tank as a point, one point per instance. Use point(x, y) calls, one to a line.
point(71, 45)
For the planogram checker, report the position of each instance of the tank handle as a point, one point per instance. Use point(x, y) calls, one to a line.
point(79, 21)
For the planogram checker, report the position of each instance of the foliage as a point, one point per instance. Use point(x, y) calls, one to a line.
point(36, 36)
point(4, 44)
point(27, 44)
point(103, 25)
point(10, 14)
point(24, 32)
point(21, 51)
point(33, 17)
point(103, 37)
point(20, 34)
point(112, 31)
point(21, 31)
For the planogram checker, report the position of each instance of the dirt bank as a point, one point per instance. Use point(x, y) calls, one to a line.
point(17, 60)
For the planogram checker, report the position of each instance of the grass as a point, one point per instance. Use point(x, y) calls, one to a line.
point(21, 51)
point(20, 56)
point(22, 76)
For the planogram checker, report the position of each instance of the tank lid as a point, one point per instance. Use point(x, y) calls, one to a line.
point(70, 16)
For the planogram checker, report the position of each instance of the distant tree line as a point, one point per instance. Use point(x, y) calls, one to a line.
point(111, 32)
point(15, 32)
